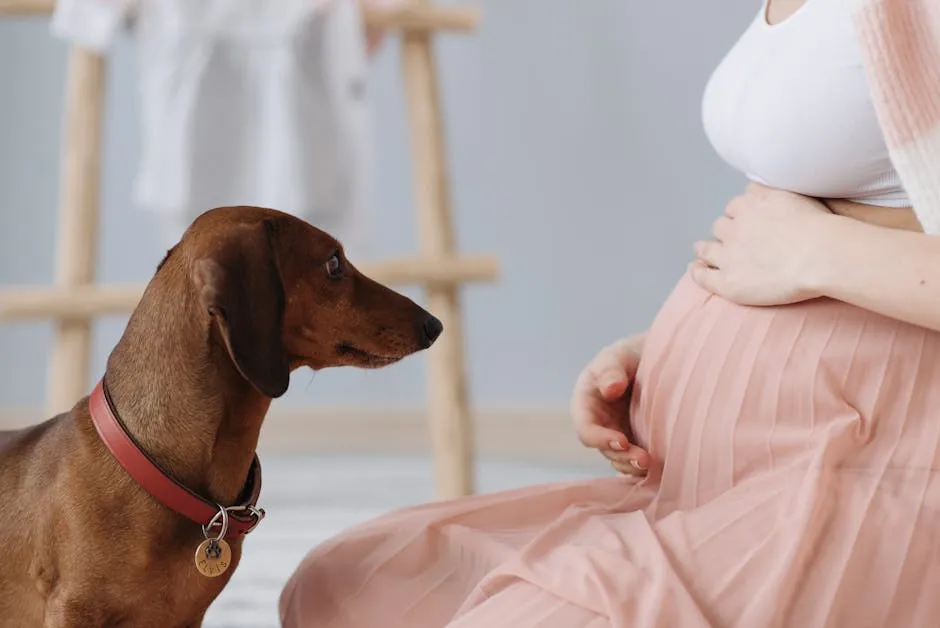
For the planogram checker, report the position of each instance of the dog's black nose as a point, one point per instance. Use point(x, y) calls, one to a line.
point(430, 330)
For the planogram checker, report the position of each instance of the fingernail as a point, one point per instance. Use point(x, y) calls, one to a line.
point(636, 465)
point(615, 444)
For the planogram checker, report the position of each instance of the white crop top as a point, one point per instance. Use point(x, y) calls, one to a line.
point(789, 106)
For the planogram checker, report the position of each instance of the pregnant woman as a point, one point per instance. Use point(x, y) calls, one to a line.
point(780, 462)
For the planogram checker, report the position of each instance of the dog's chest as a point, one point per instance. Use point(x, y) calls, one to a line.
point(188, 593)
point(165, 592)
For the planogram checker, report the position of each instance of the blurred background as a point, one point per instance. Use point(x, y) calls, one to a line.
point(576, 156)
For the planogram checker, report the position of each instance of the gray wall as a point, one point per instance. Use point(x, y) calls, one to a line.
point(578, 157)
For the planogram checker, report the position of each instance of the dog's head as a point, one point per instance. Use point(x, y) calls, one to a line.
point(281, 294)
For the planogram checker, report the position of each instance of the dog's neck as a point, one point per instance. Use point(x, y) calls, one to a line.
point(177, 391)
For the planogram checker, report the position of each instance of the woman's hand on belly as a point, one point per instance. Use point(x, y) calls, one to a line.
point(600, 405)
point(762, 248)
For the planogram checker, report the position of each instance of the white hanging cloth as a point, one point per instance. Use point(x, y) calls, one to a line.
point(256, 102)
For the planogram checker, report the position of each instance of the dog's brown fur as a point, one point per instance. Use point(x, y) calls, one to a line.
point(242, 300)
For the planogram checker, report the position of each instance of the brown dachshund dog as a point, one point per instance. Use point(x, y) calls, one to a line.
point(96, 530)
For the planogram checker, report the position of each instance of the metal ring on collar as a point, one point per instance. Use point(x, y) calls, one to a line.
point(220, 519)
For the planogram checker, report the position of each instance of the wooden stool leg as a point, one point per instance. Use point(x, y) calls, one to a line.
point(451, 434)
point(78, 224)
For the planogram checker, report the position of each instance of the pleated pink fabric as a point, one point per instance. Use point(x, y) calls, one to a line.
point(799, 487)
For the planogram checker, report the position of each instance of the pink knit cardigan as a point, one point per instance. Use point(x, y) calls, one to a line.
point(901, 44)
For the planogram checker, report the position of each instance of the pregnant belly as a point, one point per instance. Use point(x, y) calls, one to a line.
point(727, 392)
point(893, 217)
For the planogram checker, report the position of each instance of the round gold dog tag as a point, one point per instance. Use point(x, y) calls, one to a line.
point(213, 557)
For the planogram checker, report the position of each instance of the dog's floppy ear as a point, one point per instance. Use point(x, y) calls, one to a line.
point(240, 286)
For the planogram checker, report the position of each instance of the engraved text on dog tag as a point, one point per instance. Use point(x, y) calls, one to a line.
point(213, 557)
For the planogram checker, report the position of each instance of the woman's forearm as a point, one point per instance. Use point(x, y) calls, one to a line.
point(893, 272)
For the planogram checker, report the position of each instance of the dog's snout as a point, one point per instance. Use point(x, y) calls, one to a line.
point(431, 328)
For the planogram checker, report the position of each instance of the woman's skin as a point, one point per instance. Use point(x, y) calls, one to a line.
point(779, 10)
point(600, 402)
point(771, 248)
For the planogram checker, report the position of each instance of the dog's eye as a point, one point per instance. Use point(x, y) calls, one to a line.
point(334, 267)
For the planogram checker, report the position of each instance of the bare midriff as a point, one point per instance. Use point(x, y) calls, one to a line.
point(892, 217)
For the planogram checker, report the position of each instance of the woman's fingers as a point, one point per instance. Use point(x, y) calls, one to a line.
point(709, 252)
point(628, 467)
point(614, 446)
point(597, 436)
point(612, 385)
point(612, 370)
point(599, 407)
point(634, 459)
